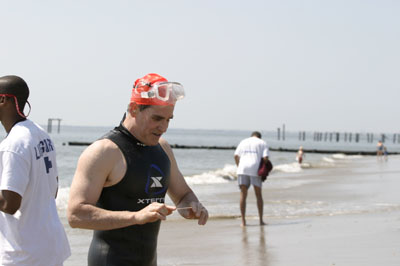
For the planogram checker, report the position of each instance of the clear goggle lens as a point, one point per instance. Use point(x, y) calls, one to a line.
point(164, 91)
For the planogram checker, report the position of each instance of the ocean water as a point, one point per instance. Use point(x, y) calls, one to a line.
point(212, 173)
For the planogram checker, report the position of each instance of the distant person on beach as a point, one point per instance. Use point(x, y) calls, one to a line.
point(385, 153)
point(300, 155)
point(248, 155)
point(121, 180)
point(379, 148)
point(31, 232)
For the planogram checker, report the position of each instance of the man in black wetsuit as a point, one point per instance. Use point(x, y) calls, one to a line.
point(121, 180)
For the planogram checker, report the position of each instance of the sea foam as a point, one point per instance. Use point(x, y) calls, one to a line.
point(224, 175)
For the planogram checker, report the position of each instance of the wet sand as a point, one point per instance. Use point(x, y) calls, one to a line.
point(365, 237)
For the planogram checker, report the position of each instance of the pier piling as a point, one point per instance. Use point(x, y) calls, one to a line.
point(50, 124)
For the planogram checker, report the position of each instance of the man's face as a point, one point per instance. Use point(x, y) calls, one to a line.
point(152, 122)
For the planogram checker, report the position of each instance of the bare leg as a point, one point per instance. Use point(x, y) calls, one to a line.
point(243, 196)
point(260, 203)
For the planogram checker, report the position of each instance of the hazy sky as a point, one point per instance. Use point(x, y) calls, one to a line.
point(251, 65)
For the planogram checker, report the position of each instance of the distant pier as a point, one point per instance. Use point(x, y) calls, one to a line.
point(318, 136)
point(50, 124)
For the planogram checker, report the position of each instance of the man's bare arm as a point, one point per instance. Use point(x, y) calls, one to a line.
point(237, 159)
point(181, 194)
point(97, 166)
point(10, 201)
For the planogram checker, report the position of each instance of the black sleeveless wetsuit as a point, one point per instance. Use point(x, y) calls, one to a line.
point(145, 181)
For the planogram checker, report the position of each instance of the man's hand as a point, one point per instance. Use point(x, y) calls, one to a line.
point(195, 210)
point(153, 212)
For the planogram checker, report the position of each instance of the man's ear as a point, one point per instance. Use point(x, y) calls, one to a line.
point(133, 109)
point(2, 99)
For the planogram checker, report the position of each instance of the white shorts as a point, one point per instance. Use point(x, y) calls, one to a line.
point(247, 179)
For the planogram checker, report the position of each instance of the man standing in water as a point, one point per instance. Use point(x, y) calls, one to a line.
point(121, 180)
point(379, 149)
point(248, 156)
point(300, 155)
point(30, 231)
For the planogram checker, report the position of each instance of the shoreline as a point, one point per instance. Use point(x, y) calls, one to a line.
point(359, 235)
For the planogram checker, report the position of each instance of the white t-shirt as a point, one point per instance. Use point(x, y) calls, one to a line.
point(34, 235)
point(250, 151)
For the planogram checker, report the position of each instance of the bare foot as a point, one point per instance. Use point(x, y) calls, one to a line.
point(262, 223)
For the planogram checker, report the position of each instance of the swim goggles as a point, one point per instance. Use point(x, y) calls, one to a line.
point(167, 92)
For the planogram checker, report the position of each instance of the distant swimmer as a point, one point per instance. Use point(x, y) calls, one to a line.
point(379, 149)
point(31, 232)
point(121, 181)
point(300, 155)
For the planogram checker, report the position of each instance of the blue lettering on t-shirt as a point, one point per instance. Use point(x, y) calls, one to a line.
point(48, 164)
point(44, 146)
point(249, 151)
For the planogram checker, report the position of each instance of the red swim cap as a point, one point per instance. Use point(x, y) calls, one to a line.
point(154, 89)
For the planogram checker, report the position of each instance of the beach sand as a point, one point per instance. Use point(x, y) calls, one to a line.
point(358, 237)
point(339, 240)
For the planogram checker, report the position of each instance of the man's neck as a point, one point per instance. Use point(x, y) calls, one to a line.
point(129, 124)
point(8, 124)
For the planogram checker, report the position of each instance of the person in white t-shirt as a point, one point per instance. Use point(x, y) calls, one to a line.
point(31, 232)
point(248, 156)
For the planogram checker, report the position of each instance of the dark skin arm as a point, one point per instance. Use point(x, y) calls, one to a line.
point(9, 201)
point(237, 159)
